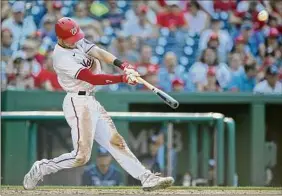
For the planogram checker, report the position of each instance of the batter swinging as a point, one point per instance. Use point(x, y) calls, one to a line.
point(77, 64)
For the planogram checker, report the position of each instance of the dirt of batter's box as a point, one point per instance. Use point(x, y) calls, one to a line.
point(120, 192)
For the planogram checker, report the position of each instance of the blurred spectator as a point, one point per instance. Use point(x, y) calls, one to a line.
point(47, 77)
point(247, 10)
point(120, 48)
point(6, 41)
point(5, 10)
point(225, 41)
point(224, 5)
point(159, 139)
point(214, 44)
point(151, 75)
point(178, 85)
point(272, 43)
point(270, 85)
point(134, 43)
point(92, 33)
point(81, 14)
point(140, 27)
point(196, 18)
point(276, 14)
point(30, 49)
point(19, 74)
point(212, 84)
point(103, 173)
point(3, 75)
point(172, 17)
point(169, 71)
point(20, 26)
point(136, 6)
point(235, 63)
point(244, 81)
point(57, 9)
point(48, 28)
point(198, 71)
point(242, 48)
point(150, 160)
point(207, 6)
point(145, 59)
point(114, 16)
point(254, 39)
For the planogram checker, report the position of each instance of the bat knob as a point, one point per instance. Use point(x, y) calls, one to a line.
point(175, 105)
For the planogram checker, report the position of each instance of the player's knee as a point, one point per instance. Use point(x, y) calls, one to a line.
point(83, 156)
point(80, 161)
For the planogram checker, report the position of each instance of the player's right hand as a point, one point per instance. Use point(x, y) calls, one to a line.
point(129, 69)
point(129, 79)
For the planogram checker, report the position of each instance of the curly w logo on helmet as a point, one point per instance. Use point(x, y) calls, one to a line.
point(73, 30)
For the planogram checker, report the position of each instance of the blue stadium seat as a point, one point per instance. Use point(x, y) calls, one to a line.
point(160, 50)
point(188, 50)
point(155, 60)
point(162, 41)
point(184, 61)
point(190, 41)
point(109, 31)
point(164, 32)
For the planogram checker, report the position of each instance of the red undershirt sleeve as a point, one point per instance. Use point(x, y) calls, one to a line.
point(98, 79)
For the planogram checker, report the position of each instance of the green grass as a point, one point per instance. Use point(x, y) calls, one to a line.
point(136, 187)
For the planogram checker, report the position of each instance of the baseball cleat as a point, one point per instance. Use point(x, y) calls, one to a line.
point(33, 176)
point(151, 182)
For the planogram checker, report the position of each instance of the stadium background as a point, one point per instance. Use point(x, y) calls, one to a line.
point(212, 46)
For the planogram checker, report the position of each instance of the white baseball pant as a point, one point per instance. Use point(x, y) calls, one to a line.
point(88, 121)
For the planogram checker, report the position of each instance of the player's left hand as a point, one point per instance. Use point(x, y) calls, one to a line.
point(129, 69)
point(130, 79)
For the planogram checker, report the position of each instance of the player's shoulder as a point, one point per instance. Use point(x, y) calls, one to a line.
point(59, 53)
point(85, 42)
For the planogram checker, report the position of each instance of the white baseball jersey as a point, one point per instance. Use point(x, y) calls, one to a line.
point(69, 62)
point(265, 88)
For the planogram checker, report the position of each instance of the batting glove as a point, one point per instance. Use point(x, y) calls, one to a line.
point(129, 79)
point(129, 69)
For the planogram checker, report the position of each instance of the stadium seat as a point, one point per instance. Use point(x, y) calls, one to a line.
point(190, 41)
point(184, 61)
point(160, 50)
point(188, 50)
point(155, 60)
point(162, 41)
point(164, 31)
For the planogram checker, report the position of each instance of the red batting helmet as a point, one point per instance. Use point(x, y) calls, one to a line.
point(68, 30)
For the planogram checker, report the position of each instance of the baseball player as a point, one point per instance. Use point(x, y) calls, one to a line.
point(77, 64)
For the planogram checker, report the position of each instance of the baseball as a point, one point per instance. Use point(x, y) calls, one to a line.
point(262, 15)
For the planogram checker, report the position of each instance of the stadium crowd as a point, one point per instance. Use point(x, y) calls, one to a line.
point(176, 45)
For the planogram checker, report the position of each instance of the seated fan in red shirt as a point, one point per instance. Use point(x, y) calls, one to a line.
point(47, 78)
point(172, 17)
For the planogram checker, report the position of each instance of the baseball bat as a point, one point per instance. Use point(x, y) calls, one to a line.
point(164, 96)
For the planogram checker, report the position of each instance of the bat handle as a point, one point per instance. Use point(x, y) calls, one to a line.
point(147, 84)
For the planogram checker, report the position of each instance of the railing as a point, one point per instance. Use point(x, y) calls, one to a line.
point(216, 120)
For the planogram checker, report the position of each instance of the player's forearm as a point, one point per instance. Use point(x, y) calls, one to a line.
point(103, 55)
point(99, 79)
point(107, 57)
